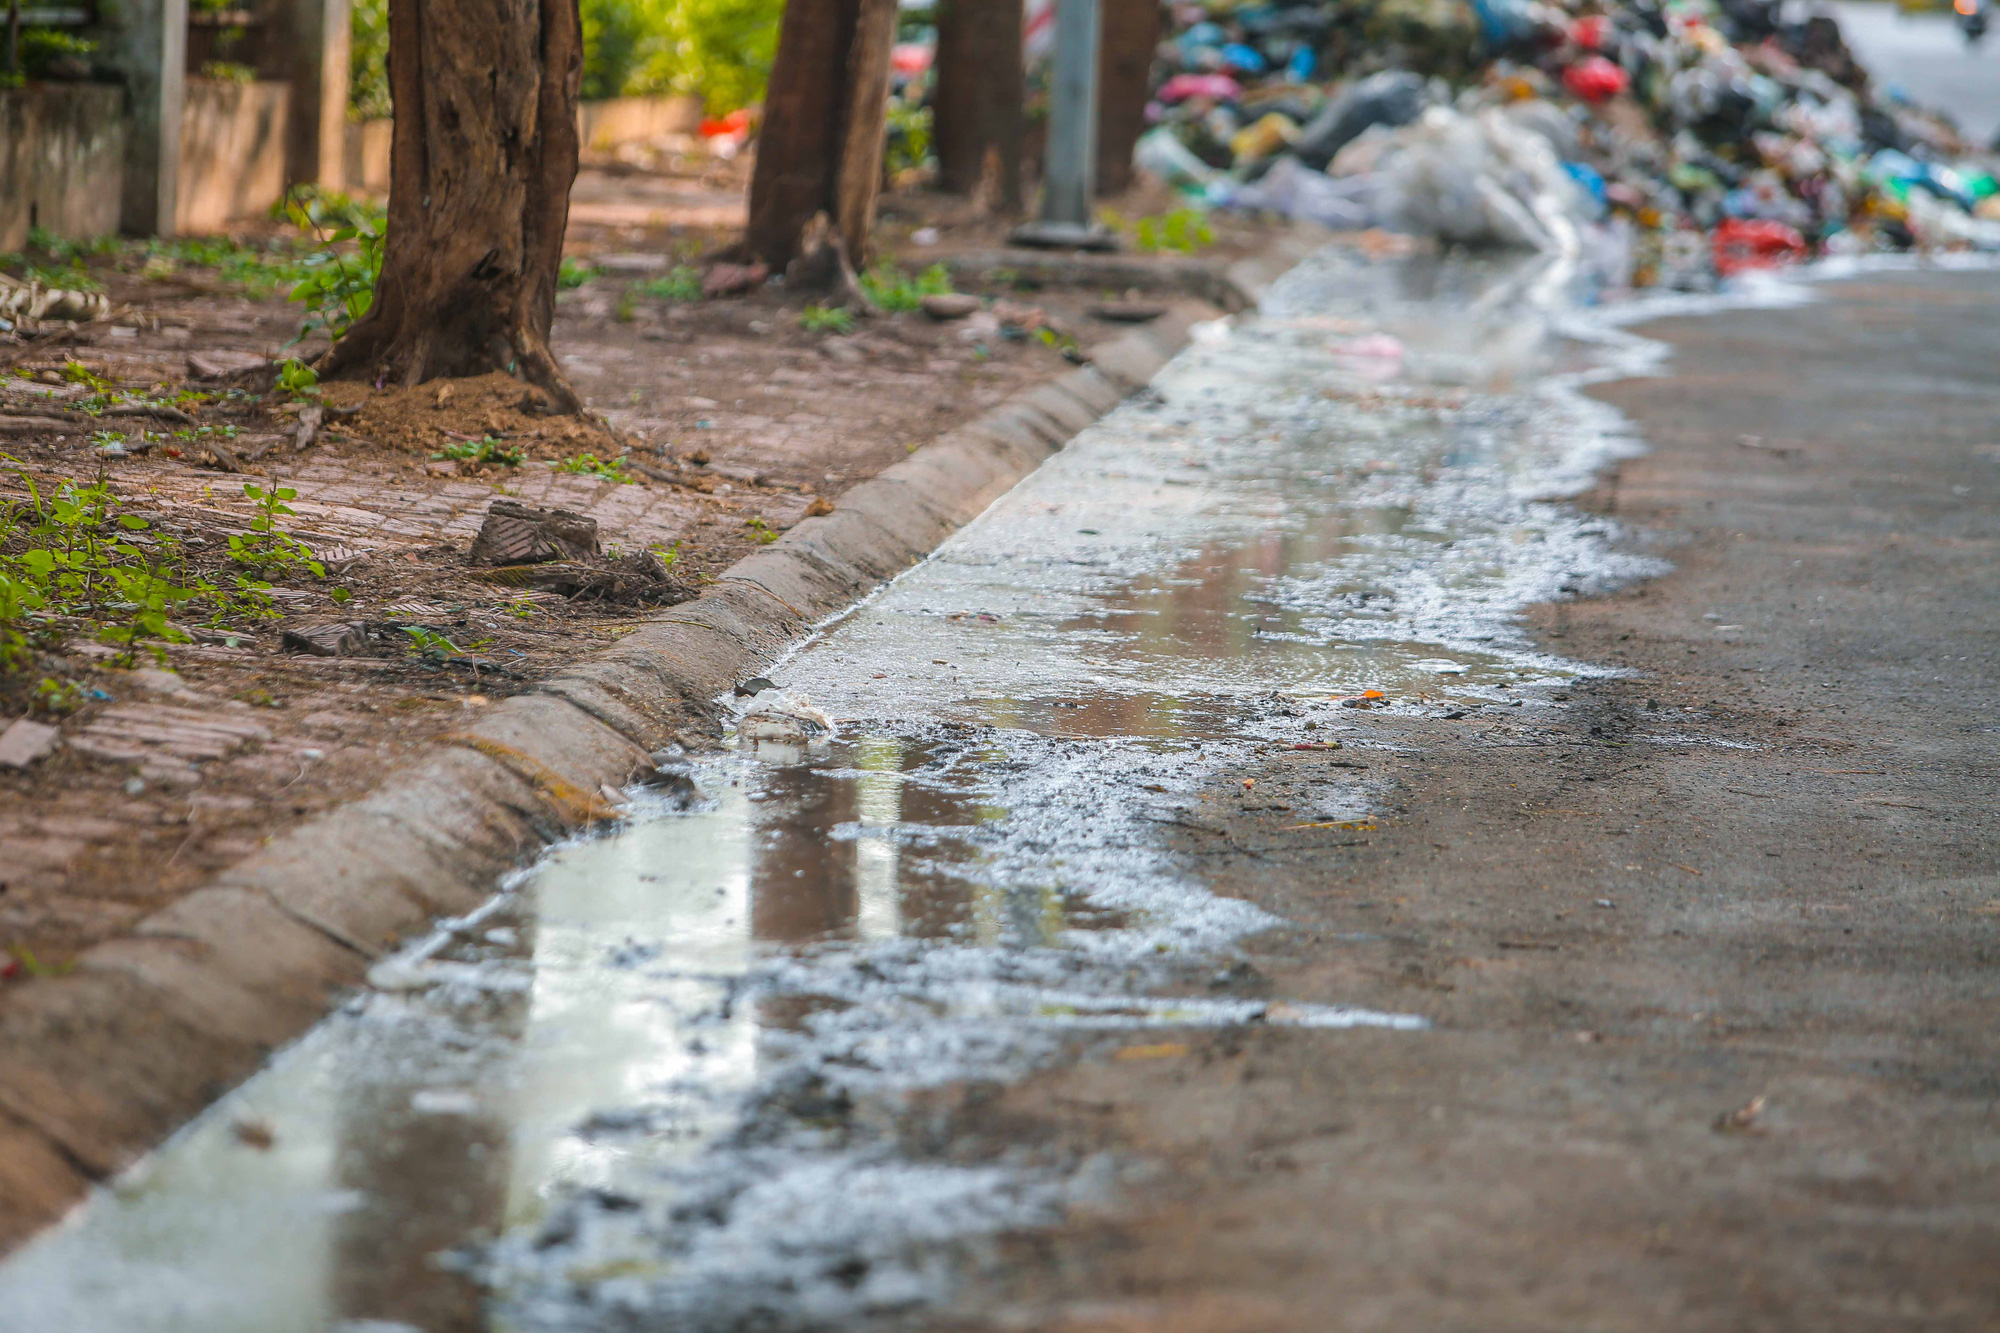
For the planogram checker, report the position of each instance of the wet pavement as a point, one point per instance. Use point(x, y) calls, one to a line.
point(706, 1071)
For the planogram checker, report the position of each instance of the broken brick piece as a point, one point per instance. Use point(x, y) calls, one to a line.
point(518, 534)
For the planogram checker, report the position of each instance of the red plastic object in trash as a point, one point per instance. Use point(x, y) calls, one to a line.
point(1594, 79)
point(1214, 87)
point(736, 122)
point(1591, 31)
point(1741, 243)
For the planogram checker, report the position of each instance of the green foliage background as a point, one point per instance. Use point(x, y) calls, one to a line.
point(720, 50)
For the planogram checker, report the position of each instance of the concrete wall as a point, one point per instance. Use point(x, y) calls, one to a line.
point(603, 125)
point(367, 158)
point(233, 138)
point(62, 160)
point(607, 124)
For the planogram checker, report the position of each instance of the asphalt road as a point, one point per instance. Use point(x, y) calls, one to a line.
point(1926, 58)
point(1712, 957)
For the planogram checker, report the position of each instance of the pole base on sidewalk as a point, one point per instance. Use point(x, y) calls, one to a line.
point(1063, 236)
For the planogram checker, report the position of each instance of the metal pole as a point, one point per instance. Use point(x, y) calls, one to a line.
point(1072, 154)
point(1070, 168)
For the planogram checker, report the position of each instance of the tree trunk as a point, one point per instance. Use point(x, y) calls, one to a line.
point(978, 100)
point(485, 151)
point(866, 132)
point(820, 150)
point(1129, 29)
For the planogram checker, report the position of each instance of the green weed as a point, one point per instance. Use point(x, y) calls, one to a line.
point(340, 285)
point(35, 967)
point(428, 644)
point(256, 270)
point(819, 319)
point(70, 559)
point(484, 450)
point(57, 698)
point(893, 290)
point(297, 378)
point(574, 273)
point(1183, 229)
point(267, 547)
point(681, 283)
point(590, 465)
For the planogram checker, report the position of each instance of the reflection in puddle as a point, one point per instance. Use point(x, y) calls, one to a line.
point(695, 1075)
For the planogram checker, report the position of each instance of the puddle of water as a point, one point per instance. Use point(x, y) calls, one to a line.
point(690, 1075)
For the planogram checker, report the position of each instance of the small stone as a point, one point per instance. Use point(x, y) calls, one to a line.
point(950, 305)
point(155, 681)
point(1127, 312)
point(220, 363)
point(630, 265)
point(729, 279)
point(1014, 314)
point(24, 742)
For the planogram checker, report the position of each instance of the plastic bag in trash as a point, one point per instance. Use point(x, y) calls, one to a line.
point(1483, 181)
point(1294, 190)
point(1159, 153)
point(1394, 97)
point(1506, 25)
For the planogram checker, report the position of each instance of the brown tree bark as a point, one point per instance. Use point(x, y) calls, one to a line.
point(485, 151)
point(1128, 32)
point(825, 119)
point(978, 100)
point(858, 181)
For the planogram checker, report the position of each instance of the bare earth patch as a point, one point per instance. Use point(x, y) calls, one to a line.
point(719, 424)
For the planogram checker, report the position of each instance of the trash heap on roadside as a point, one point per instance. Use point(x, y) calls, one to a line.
point(1667, 144)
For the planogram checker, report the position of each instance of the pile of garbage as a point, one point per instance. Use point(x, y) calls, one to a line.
point(1668, 143)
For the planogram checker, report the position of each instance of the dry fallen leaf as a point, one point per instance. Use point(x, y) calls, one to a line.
point(1743, 1120)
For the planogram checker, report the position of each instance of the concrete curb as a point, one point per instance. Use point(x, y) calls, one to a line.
point(152, 1027)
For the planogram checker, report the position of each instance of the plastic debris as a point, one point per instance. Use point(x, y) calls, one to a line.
point(1741, 244)
point(32, 300)
point(1678, 144)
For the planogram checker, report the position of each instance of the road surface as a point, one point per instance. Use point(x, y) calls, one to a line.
point(1627, 960)
point(1925, 57)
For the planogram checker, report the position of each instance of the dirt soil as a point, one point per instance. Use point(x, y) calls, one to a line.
point(1712, 948)
point(728, 422)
